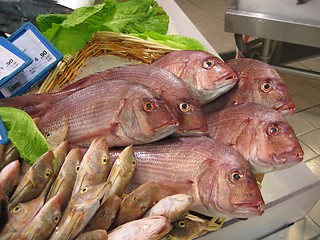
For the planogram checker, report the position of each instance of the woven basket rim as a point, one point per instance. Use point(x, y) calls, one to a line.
point(102, 43)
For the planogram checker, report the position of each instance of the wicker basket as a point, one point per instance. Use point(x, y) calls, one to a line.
point(102, 43)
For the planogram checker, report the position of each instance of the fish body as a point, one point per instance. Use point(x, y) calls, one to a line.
point(217, 177)
point(137, 203)
point(259, 133)
point(173, 207)
point(146, 228)
point(43, 224)
point(124, 112)
point(94, 167)
point(59, 154)
point(34, 181)
point(20, 216)
point(14, 13)
point(105, 215)
point(66, 178)
point(9, 177)
point(79, 211)
point(205, 73)
point(258, 83)
point(172, 89)
point(121, 172)
point(98, 234)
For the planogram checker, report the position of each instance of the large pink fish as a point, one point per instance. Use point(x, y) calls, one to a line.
point(205, 73)
point(217, 177)
point(172, 89)
point(259, 83)
point(123, 112)
point(259, 133)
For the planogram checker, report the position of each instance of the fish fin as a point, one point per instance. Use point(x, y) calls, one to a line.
point(101, 132)
point(33, 104)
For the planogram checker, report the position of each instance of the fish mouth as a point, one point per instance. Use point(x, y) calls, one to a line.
point(286, 109)
point(293, 158)
point(249, 209)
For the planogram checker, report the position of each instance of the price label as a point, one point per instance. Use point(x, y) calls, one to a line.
point(44, 55)
point(12, 60)
point(4, 139)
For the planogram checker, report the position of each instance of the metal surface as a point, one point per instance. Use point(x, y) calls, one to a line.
point(273, 27)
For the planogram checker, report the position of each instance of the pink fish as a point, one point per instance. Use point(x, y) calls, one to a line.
point(258, 83)
point(171, 88)
point(205, 73)
point(217, 177)
point(124, 112)
point(259, 133)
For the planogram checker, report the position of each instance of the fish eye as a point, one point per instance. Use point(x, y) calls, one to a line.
point(149, 106)
point(77, 167)
point(207, 64)
point(47, 135)
point(57, 218)
point(84, 190)
point(273, 130)
point(47, 173)
point(104, 160)
point(16, 209)
point(266, 86)
point(182, 224)
point(103, 213)
point(134, 162)
point(184, 107)
point(134, 198)
point(235, 176)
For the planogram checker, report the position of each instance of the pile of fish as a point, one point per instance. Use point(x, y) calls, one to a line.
point(138, 147)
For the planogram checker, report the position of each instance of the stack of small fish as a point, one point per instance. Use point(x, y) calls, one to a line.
point(188, 128)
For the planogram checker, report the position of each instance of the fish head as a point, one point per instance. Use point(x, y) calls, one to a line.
point(230, 189)
point(145, 115)
point(211, 76)
point(260, 83)
point(275, 144)
point(192, 121)
point(42, 169)
point(21, 213)
point(205, 73)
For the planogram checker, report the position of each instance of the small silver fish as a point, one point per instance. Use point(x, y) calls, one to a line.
point(20, 216)
point(34, 181)
point(145, 228)
point(121, 172)
point(94, 167)
point(43, 224)
point(173, 207)
point(137, 203)
point(66, 178)
point(9, 177)
point(79, 211)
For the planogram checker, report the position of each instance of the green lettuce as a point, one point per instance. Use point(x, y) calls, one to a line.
point(174, 41)
point(24, 134)
point(70, 35)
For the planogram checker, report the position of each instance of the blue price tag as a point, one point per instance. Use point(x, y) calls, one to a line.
point(12, 60)
point(3, 134)
point(44, 55)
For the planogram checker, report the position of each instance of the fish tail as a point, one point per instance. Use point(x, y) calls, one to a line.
point(34, 104)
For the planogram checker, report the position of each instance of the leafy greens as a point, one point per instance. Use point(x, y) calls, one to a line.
point(24, 134)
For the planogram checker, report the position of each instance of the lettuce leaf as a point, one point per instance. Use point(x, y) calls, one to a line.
point(24, 134)
point(133, 16)
point(174, 41)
